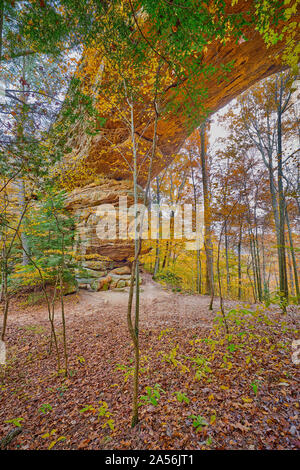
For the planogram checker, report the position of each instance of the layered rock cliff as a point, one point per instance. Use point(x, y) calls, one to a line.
point(102, 255)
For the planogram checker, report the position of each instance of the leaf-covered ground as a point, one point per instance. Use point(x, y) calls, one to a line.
point(203, 391)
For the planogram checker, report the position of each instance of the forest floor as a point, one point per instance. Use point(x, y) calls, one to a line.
point(205, 391)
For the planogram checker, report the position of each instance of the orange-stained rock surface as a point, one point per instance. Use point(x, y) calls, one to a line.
point(253, 61)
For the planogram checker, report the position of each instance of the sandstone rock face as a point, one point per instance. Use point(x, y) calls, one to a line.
point(106, 193)
point(110, 282)
point(92, 241)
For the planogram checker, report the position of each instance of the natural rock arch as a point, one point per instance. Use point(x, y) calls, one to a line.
point(253, 61)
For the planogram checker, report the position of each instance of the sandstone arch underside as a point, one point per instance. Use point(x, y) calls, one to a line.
point(252, 60)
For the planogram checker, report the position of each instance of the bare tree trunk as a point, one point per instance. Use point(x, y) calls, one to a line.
point(22, 198)
point(239, 263)
point(62, 303)
point(227, 259)
point(283, 284)
point(198, 252)
point(258, 269)
point(292, 289)
point(263, 260)
point(207, 221)
point(199, 272)
point(134, 329)
point(134, 275)
point(252, 251)
point(292, 252)
point(157, 243)
point(252, 284)
point(1, 26)
point(166, 255)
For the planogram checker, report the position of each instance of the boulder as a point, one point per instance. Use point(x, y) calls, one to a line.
point(95, 265)
point(121, 271)
point(84, 280)
point(117, 277)
point(70, 287)
point(89, 273)
point(83, 286)
point(121, 283)
point(101, 284)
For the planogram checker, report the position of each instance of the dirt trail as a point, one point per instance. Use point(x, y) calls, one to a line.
point(159, 306)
